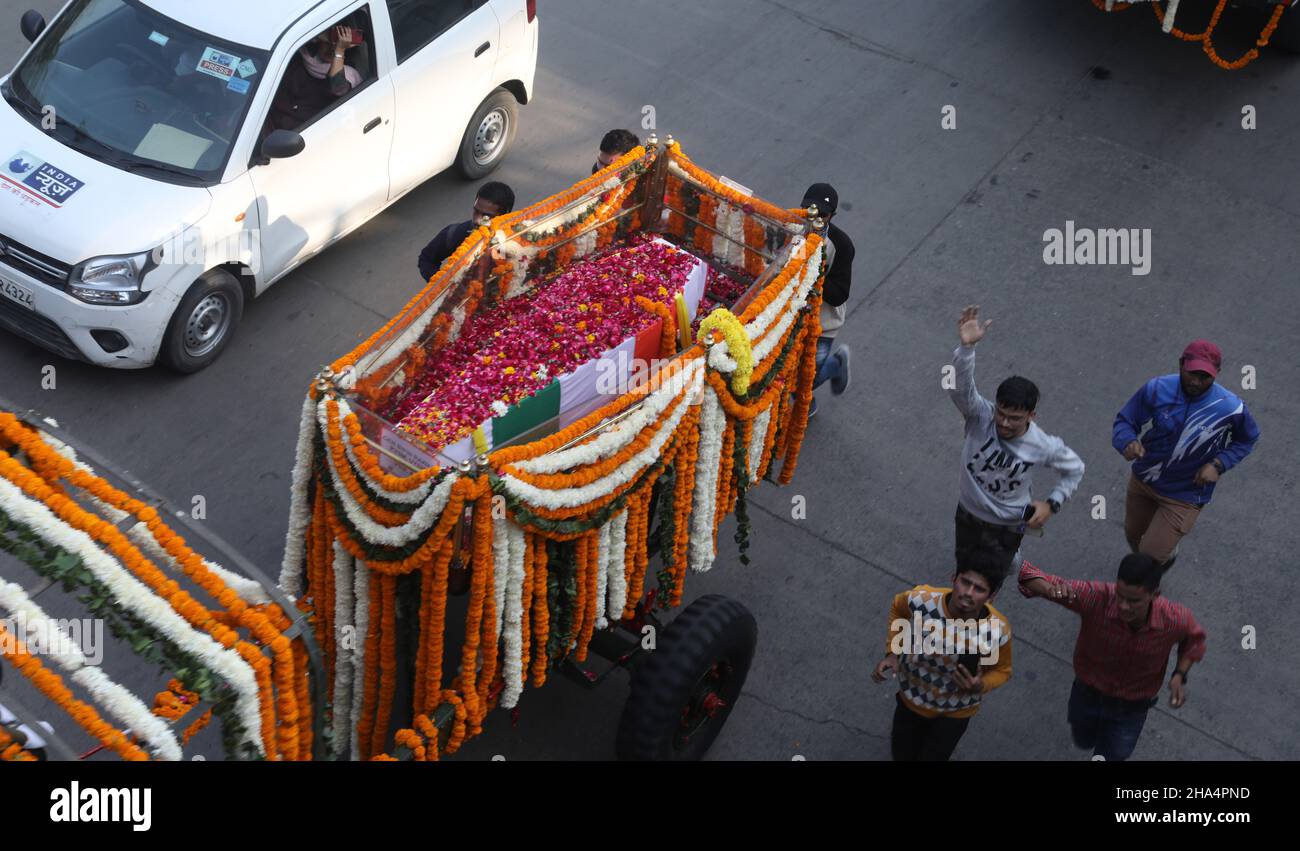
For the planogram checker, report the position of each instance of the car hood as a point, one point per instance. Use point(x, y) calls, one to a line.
point(89, 208)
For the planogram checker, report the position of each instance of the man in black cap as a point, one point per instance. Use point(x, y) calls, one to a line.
point(494, 199)
point(832, 360)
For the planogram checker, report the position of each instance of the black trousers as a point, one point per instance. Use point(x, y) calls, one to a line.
point(915, 738)
point(975, 534)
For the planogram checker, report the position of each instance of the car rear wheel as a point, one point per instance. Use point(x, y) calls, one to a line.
point(203, 322)
point(489, 135)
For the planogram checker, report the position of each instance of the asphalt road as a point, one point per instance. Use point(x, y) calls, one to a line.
point(1063, 113)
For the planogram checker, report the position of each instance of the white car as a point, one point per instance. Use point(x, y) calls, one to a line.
point(168, 160)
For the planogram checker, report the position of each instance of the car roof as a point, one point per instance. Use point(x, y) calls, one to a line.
point(255, 23)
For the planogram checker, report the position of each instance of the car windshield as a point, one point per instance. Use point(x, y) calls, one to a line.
point(126, 85)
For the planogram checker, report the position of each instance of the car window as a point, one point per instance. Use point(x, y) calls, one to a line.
point(418, 22)
point(308, 89)
point(135, 88)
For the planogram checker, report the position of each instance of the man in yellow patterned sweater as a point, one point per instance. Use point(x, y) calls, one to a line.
point(948, 648)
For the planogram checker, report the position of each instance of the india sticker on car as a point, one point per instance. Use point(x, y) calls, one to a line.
point(43, 180)
point(17, 292)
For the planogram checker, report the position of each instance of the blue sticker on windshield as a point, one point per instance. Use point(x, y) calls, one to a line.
point(238, 85)
point(40, 179)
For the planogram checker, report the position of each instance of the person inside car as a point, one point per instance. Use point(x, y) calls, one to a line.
point(317, 80)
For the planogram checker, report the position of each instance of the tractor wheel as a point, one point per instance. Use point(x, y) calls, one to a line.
point(683, 692)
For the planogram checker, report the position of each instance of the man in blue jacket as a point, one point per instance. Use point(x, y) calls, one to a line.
point(1199, 431)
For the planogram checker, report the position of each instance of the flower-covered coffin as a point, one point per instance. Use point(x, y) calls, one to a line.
point(613, 366)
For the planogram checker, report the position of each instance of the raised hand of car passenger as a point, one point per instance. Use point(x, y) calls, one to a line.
point(342, 36)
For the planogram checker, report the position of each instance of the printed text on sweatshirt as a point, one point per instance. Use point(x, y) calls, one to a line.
point(996, 475)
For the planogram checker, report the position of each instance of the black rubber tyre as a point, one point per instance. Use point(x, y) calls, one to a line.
point(705, 651)
point(203, 322)
point(1287, 34)
point(489, 135)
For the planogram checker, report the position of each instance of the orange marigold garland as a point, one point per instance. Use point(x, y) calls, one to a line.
point(541, 612)
point(51, 685)
point(194, 728)
point(11, 751)
point(387, 660)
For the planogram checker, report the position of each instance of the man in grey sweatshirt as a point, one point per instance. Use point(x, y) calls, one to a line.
point(1003, 445)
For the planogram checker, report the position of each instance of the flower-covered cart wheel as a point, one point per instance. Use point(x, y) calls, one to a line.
point(685, 689)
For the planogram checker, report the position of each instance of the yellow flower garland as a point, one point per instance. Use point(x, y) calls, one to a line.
point(738, 343)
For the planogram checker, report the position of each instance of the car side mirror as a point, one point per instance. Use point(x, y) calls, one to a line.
point(32, 25)
point(281, 144)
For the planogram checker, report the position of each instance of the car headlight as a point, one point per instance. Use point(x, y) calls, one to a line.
point(111, 280)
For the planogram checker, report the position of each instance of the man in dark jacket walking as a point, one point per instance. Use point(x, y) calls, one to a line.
point(494, 199)
point(832, 360)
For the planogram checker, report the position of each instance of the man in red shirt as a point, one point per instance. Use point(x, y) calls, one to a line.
point(1122, 651)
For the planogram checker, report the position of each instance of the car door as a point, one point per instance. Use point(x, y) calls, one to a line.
point(446, 53)
point(340, 178)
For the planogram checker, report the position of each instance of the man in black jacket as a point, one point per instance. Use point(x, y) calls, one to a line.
point(494, 199)
point(832, 360)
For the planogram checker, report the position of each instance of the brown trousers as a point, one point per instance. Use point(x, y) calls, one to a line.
point(1153, 523)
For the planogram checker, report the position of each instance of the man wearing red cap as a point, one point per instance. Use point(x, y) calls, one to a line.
point(1199, 431)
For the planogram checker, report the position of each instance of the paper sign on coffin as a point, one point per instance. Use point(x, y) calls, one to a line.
point(569, 398)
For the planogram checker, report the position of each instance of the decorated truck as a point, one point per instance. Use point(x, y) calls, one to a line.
point(585, 386)
point(1281, 25)
point(516, 474)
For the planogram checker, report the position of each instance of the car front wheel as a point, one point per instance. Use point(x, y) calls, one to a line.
point(489, 135)
point(204, 322)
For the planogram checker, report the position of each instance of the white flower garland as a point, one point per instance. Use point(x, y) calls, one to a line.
point(1170, 11)
point(344, 610)
point(757, 440)
point(390, 536)
point(720, 358)
point(134, 596)
point(116, 700)
point(248, 590)
point(760, 323)
point(295, 554)
point(602, 575)
point(738, 249)
point(586, 243)
point(134, 716)
point(572, 497)
point(713, 421)
point(616, 566)
point(777, 334)
point(501, 558)
point(361, 596)
point(615, 439)
point(512, 670)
